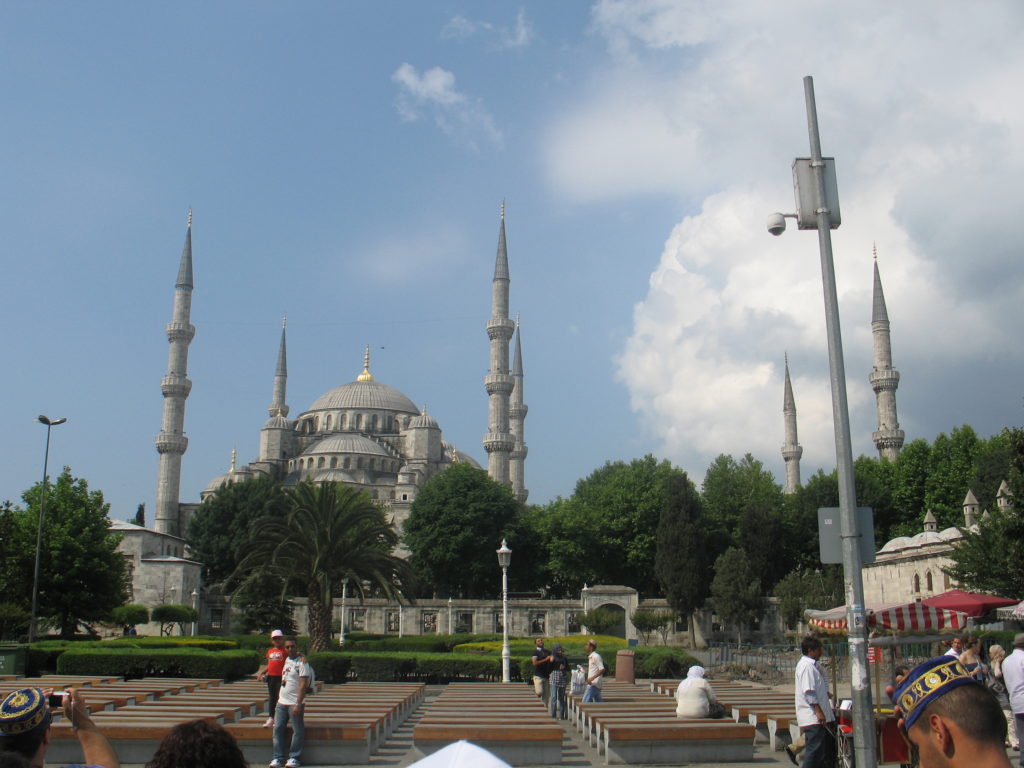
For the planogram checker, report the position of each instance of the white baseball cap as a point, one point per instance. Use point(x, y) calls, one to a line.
point(277, 633)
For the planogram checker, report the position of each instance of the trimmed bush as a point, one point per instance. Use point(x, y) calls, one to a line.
point(662, 661)
point(418, 643)
point(159, 662)
point(206, 643)
point(331, 667)
point(383, 667)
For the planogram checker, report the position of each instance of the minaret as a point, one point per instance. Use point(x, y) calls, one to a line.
point(791, 449)
point(517, 416)
point(888, 438)
point(171, 442)
point(498, 441)
point(279, 407)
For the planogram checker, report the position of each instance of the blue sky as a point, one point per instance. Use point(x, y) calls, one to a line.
point(346, 163)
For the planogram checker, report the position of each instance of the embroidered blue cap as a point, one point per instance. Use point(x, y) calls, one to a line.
point(22, 711)
point(927, 682)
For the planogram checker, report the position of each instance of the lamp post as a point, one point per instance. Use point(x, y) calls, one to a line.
point(195, 607)
point(344, 594)
point(449, 614)
point(818, 208)
point(504, 560)
point(50, 424)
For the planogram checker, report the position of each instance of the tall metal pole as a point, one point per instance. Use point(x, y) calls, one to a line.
point(505, 560)
point(344, 594)
point(863, 714)
point(50, 424)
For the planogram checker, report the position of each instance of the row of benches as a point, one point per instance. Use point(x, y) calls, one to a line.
point(344, 723)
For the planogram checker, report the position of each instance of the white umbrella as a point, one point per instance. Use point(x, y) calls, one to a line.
point(461, 754)
point(1018, 611)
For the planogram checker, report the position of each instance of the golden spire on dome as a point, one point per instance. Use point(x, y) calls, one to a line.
point(365, 375)
point(234, 459)
point(190, 218)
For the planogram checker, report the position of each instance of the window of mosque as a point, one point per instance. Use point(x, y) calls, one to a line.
point(405, 497)
point(359, 421)
point(359, 462)
point(429, 619)
point(464, 622)
point(342, 421)
point(928, 581)
point(334, 462)
point(348, 463)
point(917, 583)
point(216, 618)
point(538, 622)
point(375, 422)
point(357, 619)
point(498, 626)
point(945, 581)
point(391, 621)
point(320, 461)
point(316, 423)
point(572, 622)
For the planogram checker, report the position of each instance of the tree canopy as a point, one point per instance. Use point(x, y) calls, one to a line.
point(681, 560)
point(455, 525)
point(82, 575)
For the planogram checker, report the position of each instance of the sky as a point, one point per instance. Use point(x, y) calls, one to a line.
point(346, 164)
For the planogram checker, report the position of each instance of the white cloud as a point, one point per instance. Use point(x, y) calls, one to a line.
point(705, 102)
point(519, 35)
point(413, 256)
point(433, 92)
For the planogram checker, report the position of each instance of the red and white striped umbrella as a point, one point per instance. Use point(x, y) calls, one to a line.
point(905, 617)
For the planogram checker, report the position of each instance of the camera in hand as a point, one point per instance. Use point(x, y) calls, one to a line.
point(55, 699)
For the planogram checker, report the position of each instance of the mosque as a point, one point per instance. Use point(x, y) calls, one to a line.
point(363, 433)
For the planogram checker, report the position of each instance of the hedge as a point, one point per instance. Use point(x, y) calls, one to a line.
point(334, 667)
point(159, 662)
point(417, 643)
point(206, 643)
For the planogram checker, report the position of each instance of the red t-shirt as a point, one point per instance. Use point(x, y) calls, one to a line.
point(275, 661)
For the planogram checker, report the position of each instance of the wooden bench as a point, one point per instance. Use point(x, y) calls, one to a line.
point(678, 743)
point(516, 744)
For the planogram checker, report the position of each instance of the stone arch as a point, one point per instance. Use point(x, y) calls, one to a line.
point(619, 628)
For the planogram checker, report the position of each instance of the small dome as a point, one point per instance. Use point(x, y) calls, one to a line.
point(900, 542)
point(277, 422)
point(347, 442)
point(455, 456)
point(424, 420)
point(367, 395)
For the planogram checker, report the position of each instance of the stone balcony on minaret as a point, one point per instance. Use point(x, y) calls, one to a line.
point(885, 380)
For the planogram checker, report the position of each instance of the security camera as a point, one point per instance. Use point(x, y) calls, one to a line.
point(776, 224)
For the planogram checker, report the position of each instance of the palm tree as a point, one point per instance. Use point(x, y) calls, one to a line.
point(328, 532)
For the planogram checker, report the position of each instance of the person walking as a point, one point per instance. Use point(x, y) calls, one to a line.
point(1013, 675)
point(595, 673)
point(295, 680)
point(997, 685)
point(271, 672)
point(541, 661)
point(813, 708)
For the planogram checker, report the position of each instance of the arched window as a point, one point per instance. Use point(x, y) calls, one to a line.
point(359, 462)
point(375, 423)
point(320, 462)
point(359, 421)
point(917, 583)
point(327, 422)
point(348, 463)
point(334, 462)
point(928, 580)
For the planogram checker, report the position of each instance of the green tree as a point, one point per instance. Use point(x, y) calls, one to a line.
point(647, 622)
point(129, 614)
point(13, 620)
point(910, 479)
point(264, 603)
point(736, 591)
point(991, 559)
point(744, 506)
point(140, 515)
point(170, 614)
point(606, 532)
point(82, 575)
point(454, 527)
point(951, 468)
point(598, 620)
point(222, 523)
point(328, 532)
point(800, 589)
point(681, 560)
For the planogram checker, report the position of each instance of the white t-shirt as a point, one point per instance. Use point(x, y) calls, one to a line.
point(811, 688)
point(595, 667)
point(1013, 677)
point(293, 670)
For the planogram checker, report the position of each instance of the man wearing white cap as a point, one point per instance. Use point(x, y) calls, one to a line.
point(272, 671)
point(1013, 677)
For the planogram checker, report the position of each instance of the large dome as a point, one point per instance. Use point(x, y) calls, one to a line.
point(368, 395)
point(347, 442)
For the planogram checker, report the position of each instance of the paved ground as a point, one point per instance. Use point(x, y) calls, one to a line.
point(398, 751)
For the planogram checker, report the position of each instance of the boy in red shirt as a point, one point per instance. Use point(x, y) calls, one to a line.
point(271, 672)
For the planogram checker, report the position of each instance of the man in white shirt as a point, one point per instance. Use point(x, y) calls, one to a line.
point(1013, 677)
point(595, 673)
point(295, 680)
point(813, 708)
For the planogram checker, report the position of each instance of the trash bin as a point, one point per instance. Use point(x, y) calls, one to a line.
point(625, 666)
point(12, 659)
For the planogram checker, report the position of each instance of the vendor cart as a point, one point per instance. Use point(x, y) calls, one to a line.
point(890, 627)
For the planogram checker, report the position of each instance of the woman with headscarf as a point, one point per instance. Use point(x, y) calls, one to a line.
point(695, 697)
point(997, 685)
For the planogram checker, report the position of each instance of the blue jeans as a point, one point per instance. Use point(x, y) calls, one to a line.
point(282, 715)
point(558, 702)
point(593, 693)
point(820, 749)
point(1018, 718)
